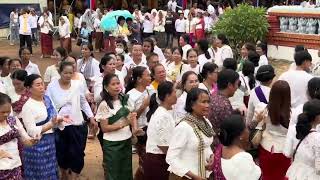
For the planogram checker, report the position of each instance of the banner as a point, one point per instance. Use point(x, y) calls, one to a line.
point(6, 9)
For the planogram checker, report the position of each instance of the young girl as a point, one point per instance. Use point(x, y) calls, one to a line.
point(192, 58)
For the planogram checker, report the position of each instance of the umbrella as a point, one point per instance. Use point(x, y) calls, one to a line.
point(109, 21)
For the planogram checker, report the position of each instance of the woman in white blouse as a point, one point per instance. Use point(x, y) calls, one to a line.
point(189, 146)
point(159, 29)
point(174, 69)
point(139, 92)
point(192, 59)
point(276, 116)
point(265, 75)
point(11, 131)
point(39, 118)
point(18, 77)
point(230, 160)
point(114, 113)
point(64, 32)
point(160, 130)
point(147, 26)
point(189, 81)
point(209, 77)
point(204, 56)
point(46, 26)
point(88, 65)
point(306, 157)
point(224, 50)
point(59, 54)
point(69, 100)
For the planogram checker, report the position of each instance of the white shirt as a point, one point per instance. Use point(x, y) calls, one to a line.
point(202, 59)
point(160, 130)
point(11, 147)
point(13, 95)
point(136, 98)
point(298, 81)
point(180, 25)
point(69, 102)
point(191, 25)
point(211, 9)
point(64, 30)
point(183, 152)
point(240, 167)
point(185, 49)
point(51, 73)
point(132, 64)
point(7, 83)
point(34, 20)
point(104, 112)
point(34, 112)
point(32, 68)
point(96, 25)
point(187, 67)
point(94, 67)
point(263, 60)
point(29, 24)
point(158, 51)
point(224, 52)
point(208, 22)
point(180, 105)
point(254, 101)
point(46, 24)
point(147, 26)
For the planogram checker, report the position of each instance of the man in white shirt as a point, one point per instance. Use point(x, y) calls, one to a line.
point(25, 29)
point(34, 27)
point(184, 43)
point(298, 78)
point(137, 60)
point(180, 25)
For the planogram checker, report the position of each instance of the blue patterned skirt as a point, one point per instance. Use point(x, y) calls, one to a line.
point(40, 160)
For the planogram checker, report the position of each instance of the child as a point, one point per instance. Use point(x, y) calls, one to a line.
point(84, 34)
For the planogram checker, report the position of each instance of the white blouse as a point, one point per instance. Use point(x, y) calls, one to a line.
point(160, 130)
point(46, 24)
point(51, 73)
point(32, 68)
point(223, 53)
point(104, 112)
point(12, 147)
point(69, 102)
point(202, 59)
point(240, 167)
point(180, 105)
point(136, 98)
point(182, 155)
point(34, 112)
point(147, 26)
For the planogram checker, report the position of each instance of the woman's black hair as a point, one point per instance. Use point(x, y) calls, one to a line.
point(311, 110)
point(185, 77)
point(207, 68)
point(104, 61)
point(230, 63)
point(299, 48)
point(19, 74)
point(190, 50)
point(149, 40)
point(3, 60)
point(226, 77)
point(4, 98)
point(203, 45)
point(13, 60)
point(105, 94)
point(192, 97)
point(231, 129)
point(124, 44)
point(263, 46)
point(164, 89)
point(179, 49)
point(22, 49)
point(265, 73)
point(63, 52)
point(121, 57)
point(137, 72)
point(186, 38)
point(64, 64)
point(121, 18)
point(223, 39)
point(29, 80)
point(254, 57)
point(314, 88)
point(248, 70)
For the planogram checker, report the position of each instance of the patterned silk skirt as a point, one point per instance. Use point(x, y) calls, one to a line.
point(40, 160)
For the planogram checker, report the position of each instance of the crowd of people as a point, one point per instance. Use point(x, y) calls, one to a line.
point(191, 110)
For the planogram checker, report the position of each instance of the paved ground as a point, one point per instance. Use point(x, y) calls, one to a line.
point(93, 159)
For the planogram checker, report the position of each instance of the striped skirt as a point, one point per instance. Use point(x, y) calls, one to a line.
point(46, 44)
point(40, 160)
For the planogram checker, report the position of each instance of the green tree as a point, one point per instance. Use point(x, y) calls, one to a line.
point(242, 24)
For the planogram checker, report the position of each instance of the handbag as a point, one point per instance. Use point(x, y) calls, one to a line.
point(258, 133)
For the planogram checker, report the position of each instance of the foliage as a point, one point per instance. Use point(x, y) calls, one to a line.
point(242, 24)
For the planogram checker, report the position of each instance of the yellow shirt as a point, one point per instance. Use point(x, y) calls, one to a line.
point(155, 84)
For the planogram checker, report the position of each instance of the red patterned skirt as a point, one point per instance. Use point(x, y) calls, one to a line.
point(46, 44)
